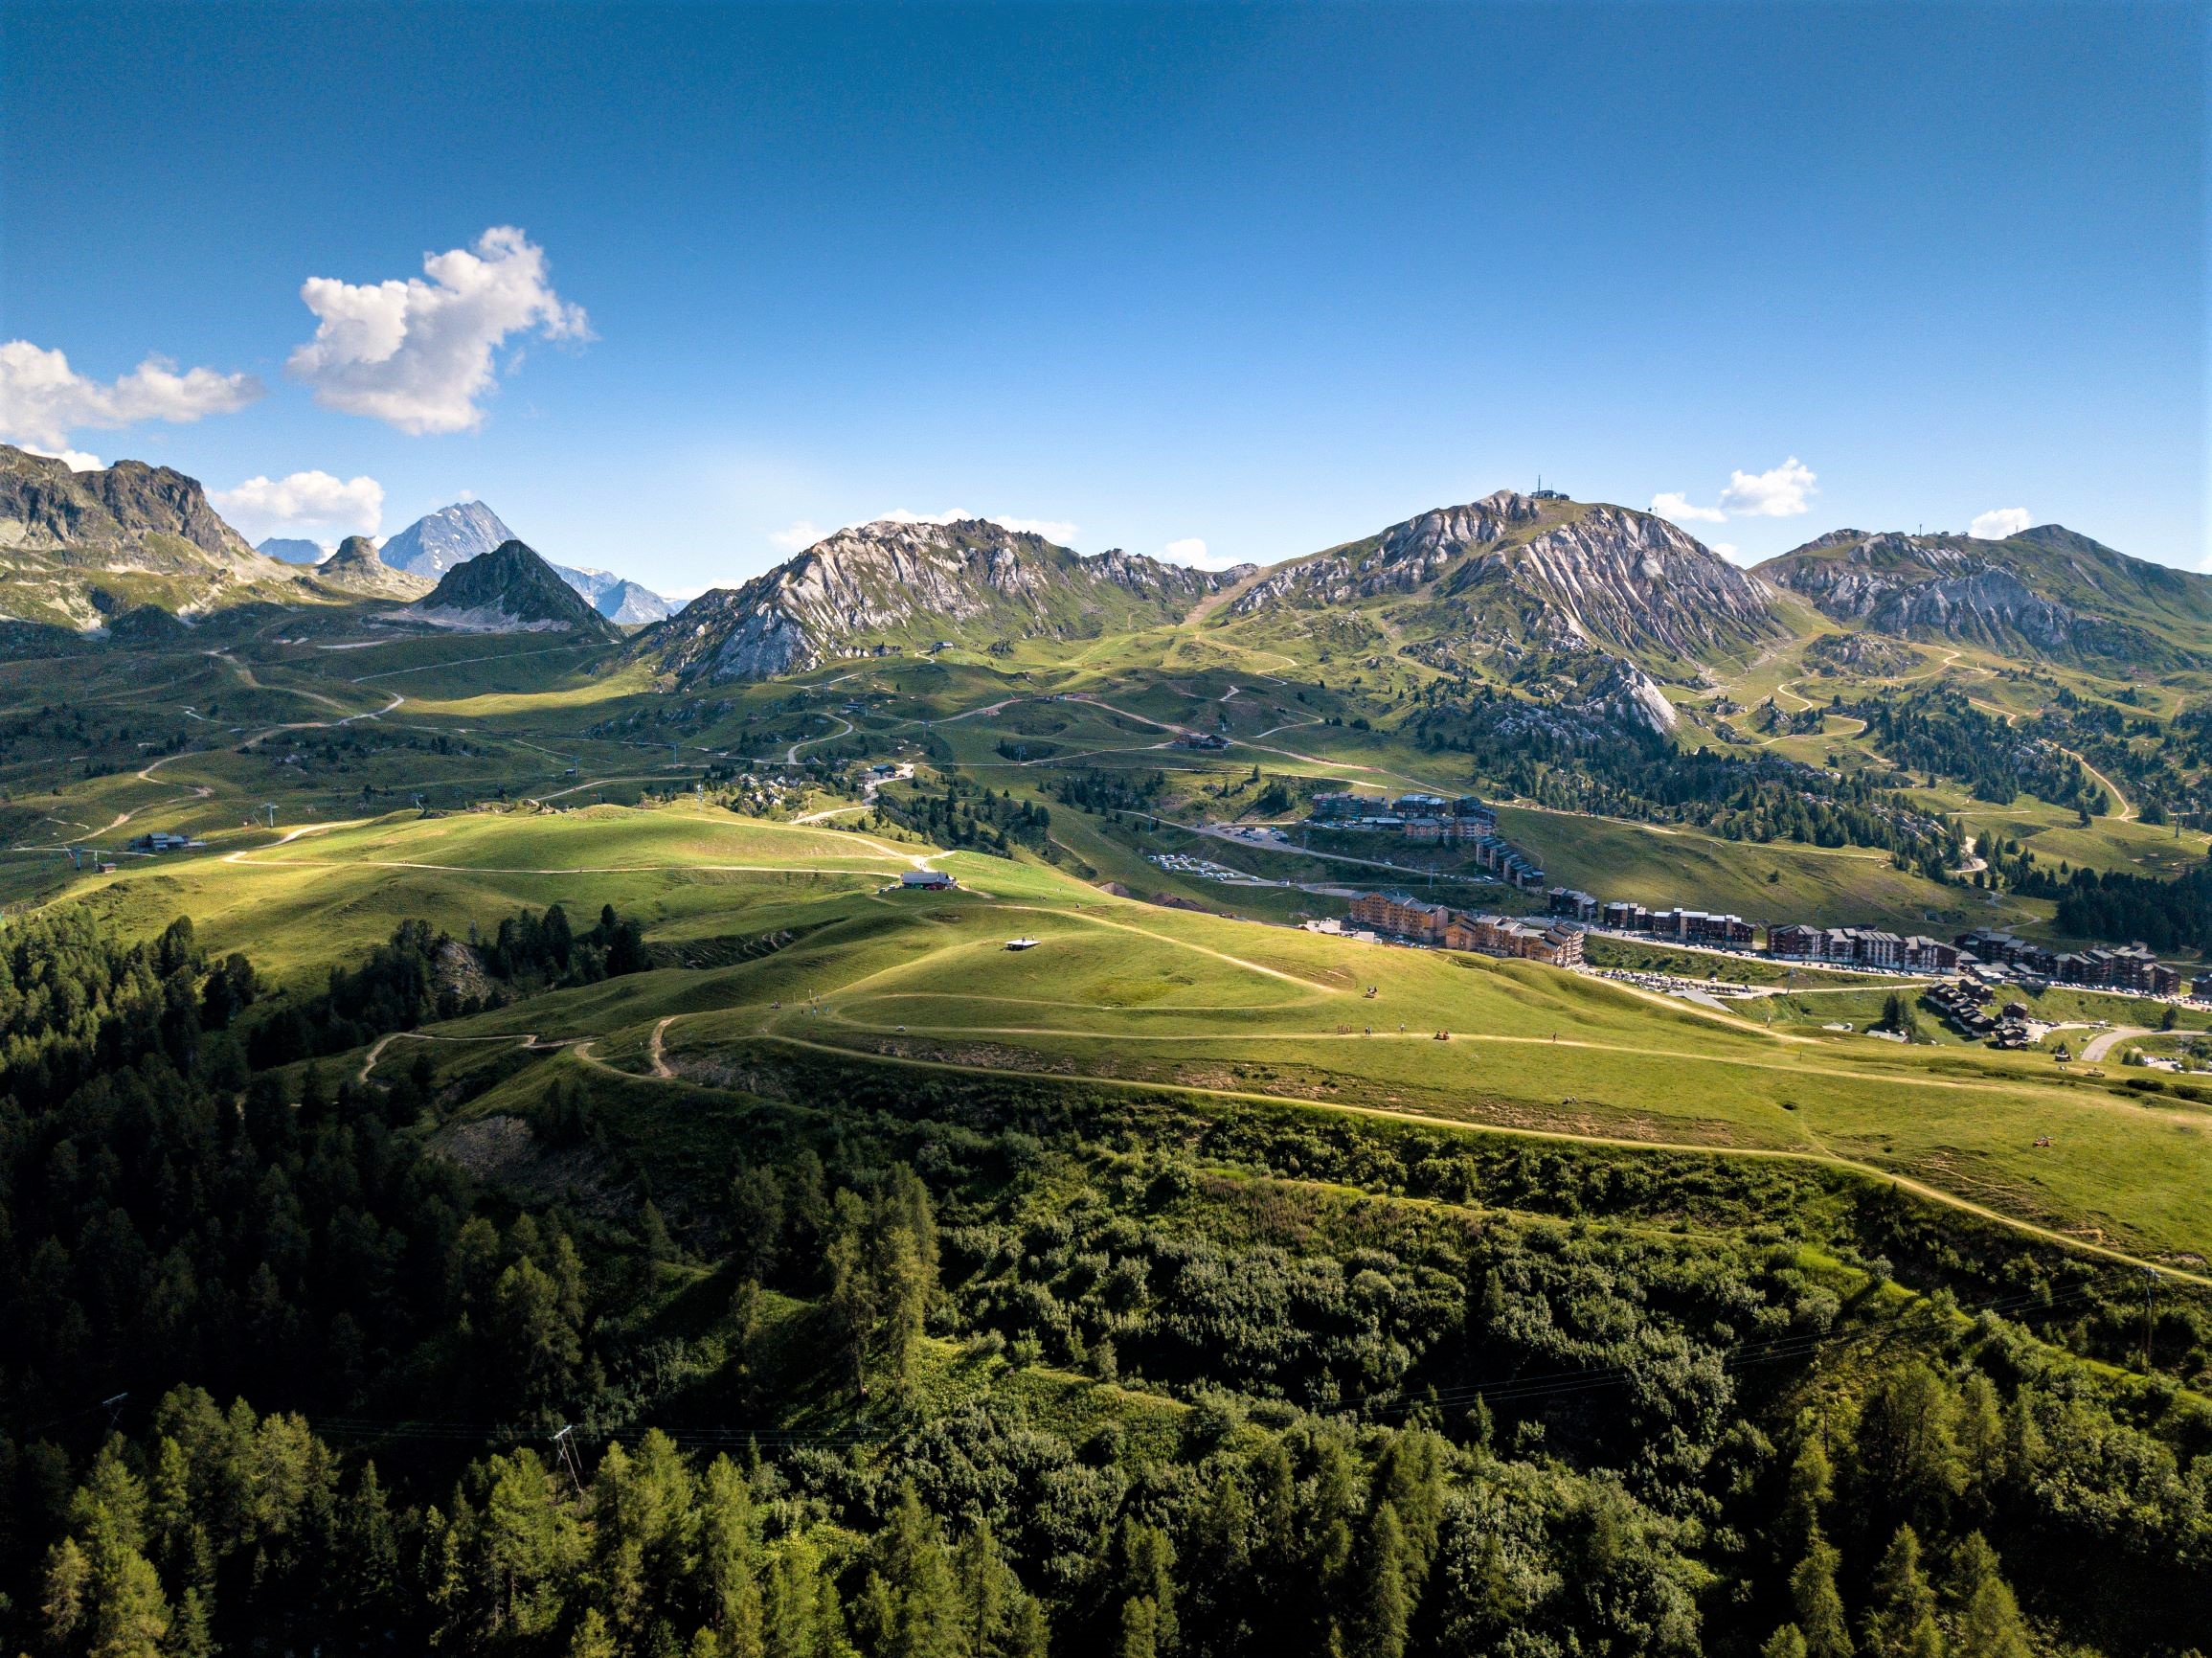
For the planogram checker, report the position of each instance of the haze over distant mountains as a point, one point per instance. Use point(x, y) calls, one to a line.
point(439, 541)
point(293, 549)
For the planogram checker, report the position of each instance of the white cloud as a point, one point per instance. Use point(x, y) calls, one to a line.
point(418, 354)
point(1676, 505)
point(801, 534)
point(2003, 521)
point(1192, 551)
point(1724, 548)
point(1057, 530)
point(75, 460)
point(1054, 530)
point(1783, 492)
point(43, 400)
point(901, 516)
point(262, 505)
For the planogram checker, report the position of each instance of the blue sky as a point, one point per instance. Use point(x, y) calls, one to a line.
point(1260, 279)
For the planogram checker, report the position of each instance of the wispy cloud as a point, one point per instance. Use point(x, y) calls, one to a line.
point(75, 460)
point(1781, 492)
point(797, 537)
point(43, 400)
point(1054, 530)
point(418, 354)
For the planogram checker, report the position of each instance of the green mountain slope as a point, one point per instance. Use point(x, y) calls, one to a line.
point(2047, 591)
point(77, 548)
point(972, 583)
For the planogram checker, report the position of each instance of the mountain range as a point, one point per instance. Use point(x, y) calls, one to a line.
point(292, 549)
point(437, 542)
point(509, 590)
point(2046, 591)
point(1572, 602)
point(894, 582)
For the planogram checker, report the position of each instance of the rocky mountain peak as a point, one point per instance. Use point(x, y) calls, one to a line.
point(2046, 590)
point(45, 507)
point(509, 590)
point(1511, 572)
point(898, 582)
point(438, 541)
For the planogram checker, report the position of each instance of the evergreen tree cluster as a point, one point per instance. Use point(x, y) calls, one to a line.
point(1100, 791)
point(2116, 904)
point(1011, 1368)
point(1592, 767)
point(964, 816)
point(423, 974)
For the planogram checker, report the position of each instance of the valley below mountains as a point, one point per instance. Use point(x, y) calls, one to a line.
point(1507, 1086)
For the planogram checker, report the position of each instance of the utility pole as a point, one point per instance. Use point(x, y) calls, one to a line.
point(568, 1457)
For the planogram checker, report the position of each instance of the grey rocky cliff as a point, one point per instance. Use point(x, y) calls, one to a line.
point(45, 507)
point(895, 577)
point(438, 541)
point(1520, 572)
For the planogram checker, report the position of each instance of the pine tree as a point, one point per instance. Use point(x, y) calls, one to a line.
point(592, 1638)
point(852, 1291)
point(1906, 1449)
point(1901, 1621)
point(912, 1608)
point(903, 1252)
point(1820, 1607)
point(793, 1621)
point(1027, 1637)
point(1383, 1606)
point(729, 1561)
point(1986, 1620)
point(370, 1546)
point(1787, 1642)
point(987, 1591)
point(1147, 1581)
point(68, 1584)
point(1810, 1482)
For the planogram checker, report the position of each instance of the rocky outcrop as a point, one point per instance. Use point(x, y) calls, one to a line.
point(1512, 573)
point(356, 571)
point(1625, 695)
point(2046, 591)
point(900, 583)
point(1402, 558)
point(126, 510)
point(507, 590)
point(77, 548)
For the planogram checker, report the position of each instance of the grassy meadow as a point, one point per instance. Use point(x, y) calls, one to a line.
point(587, 782)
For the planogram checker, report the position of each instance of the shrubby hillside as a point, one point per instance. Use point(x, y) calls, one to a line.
point(847, 1363)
